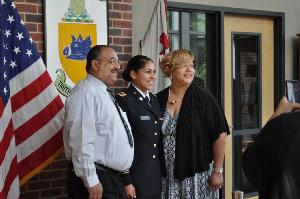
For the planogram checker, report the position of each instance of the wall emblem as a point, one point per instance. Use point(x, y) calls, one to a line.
point(77, 30)
point(72, 47)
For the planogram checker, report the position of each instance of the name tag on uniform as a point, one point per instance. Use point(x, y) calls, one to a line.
point(145, 117)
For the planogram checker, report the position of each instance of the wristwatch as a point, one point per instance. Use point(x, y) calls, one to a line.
point(219, 170)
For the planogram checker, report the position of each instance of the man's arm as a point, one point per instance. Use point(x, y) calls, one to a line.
point(80, 122)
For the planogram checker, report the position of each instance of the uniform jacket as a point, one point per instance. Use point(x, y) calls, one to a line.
point(145, 122)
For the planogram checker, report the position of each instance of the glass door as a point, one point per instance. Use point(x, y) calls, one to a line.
point(248, 90)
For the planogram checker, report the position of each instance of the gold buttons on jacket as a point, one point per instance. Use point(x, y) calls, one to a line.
point(154, 145)
point(155, 122)
point(155, 133)
point(153, 156)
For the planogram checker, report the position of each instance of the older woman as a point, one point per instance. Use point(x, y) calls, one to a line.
point(145, 116)
point(194, 132)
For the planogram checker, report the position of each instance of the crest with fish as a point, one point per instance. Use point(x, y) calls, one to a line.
point(77, 33)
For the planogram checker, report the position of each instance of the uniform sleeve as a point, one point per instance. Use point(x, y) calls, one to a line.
point(215, 119)
point(80, 124)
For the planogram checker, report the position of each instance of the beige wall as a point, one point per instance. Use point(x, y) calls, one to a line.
point(142, 10)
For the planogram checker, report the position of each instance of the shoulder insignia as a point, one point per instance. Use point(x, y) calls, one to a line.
point(122, 94)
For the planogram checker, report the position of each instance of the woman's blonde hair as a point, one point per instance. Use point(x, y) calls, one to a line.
point(170, 60)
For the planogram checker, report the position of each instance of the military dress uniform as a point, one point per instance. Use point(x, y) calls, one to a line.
point(145, 119)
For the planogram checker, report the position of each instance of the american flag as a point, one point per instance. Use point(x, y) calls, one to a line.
point(30, 108)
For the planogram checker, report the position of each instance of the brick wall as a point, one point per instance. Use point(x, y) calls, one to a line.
point(120, 31)
point(50, 183)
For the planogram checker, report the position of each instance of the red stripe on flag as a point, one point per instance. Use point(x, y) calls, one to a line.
point(1, 107)
point(41, 155)
point(38, 121)
point(29, 92)
point(5, 142)
point(11, 175)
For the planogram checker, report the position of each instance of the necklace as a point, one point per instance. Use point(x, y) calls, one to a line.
point(174, 101)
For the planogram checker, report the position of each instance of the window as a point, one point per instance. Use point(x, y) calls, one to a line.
point(191, 30)
point(247, 97)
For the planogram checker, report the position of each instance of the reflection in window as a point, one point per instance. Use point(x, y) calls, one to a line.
point(173, 29)
point(173, 20)
point(197, 22)
point(246, 117)
point(198, 45)
point(188, 30)
point(248, 95)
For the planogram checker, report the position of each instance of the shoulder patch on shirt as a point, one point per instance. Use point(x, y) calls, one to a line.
point(122, 94)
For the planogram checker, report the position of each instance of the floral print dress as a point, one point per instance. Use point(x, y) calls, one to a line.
point(192, 187)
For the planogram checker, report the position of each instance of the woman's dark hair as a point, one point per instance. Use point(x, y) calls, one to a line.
point(135, 63)
point(93, 54)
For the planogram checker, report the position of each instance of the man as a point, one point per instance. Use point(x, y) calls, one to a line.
point(97, 135)
point(272, 162)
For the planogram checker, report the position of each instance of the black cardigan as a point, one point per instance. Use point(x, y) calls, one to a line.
point(200, 122)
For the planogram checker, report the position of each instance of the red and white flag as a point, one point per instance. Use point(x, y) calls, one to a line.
point(155, 43)
point(31, 110)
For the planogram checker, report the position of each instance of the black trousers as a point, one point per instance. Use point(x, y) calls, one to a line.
point(113, 187)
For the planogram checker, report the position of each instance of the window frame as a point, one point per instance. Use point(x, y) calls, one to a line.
point(212, 36)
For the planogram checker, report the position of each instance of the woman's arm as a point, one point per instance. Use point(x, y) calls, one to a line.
point(216, 180)
point(219, 150)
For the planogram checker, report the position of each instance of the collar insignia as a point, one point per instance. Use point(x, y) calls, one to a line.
point(122, 94)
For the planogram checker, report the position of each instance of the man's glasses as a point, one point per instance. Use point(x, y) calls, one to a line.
point(113, 61)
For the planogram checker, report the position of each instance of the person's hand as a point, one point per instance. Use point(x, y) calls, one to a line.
point(96, 191)
point(215, 181)
point(285, 106)
point(130, 191)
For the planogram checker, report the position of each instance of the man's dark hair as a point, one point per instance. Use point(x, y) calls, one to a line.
point(93, 54)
